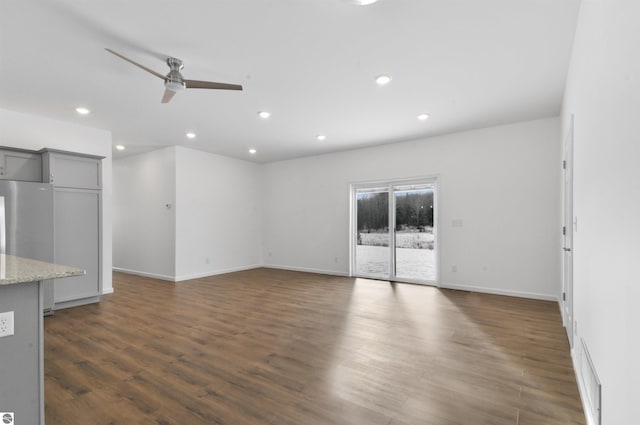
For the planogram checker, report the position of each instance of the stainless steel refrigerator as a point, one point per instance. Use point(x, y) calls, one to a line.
point(26, 225)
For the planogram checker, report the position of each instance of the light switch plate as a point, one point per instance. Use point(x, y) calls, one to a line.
point(6, 324)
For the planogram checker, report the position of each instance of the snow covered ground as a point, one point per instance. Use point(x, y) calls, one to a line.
point(403, 239)
point(411, 263)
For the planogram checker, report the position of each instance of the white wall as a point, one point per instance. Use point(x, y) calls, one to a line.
point(214, 222)
point(503, 182)
point(144, 228)
point(218, 217)
point(34, 132)
point(603, 93)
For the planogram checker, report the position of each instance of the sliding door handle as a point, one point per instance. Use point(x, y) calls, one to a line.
point(566, 249)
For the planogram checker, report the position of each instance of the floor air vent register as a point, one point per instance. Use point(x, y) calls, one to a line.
point(592, 386)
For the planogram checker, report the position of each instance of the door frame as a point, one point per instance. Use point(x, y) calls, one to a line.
point(353, 226)
point(568, 221)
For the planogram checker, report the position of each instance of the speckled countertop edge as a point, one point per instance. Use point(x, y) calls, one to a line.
point(14, 270)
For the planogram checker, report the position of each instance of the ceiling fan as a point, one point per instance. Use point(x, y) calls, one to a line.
point(175, 82)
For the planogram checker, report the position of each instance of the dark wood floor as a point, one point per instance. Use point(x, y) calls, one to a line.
point(276, 347)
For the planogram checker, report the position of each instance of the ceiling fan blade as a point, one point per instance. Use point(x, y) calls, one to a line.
point(151, 71)
point(168, 95)
point(194, 84)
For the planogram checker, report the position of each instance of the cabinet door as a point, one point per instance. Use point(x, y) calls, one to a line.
point(17, 165)
point(21, 365)
point(77, 242)
point(66, 170)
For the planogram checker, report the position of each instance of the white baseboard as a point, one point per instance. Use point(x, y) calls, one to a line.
point(145, 274)
point(216, 272)
point(183, 278)
point(507, 292)
point(305, 270)
point(444, 285)
point(107, 291)
point(561, 307)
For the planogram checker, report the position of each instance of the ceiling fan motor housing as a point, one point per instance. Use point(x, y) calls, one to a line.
point(174, 80)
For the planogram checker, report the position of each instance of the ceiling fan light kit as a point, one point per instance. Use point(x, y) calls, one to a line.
point(174, 81)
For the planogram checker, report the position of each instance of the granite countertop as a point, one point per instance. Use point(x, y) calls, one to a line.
point(21, 270)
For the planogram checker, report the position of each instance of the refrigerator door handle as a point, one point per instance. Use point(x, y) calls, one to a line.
point(3, 228)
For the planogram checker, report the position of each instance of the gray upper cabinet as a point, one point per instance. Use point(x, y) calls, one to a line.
point(20, 164)
point(64, 169)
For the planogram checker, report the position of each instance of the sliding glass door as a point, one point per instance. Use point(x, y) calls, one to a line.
point(372, 247)
point(394, 227)
point(414, 233)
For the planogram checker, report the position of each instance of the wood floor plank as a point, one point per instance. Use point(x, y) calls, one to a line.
point(267, 346)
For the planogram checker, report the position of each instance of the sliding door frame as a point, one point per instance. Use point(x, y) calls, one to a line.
point(353, 226)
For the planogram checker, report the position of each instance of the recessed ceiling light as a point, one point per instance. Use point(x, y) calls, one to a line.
point(252, 151)
point(363, 2)
point(190, 135)
point(83, 111)
point(423, 117)
point(321, 137)
point(264, 114)
point(120, 147)
point(383, 80)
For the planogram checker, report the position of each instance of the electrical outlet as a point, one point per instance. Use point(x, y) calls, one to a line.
point(6, 324)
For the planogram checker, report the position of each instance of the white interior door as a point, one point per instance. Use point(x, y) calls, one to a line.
point(568, 228)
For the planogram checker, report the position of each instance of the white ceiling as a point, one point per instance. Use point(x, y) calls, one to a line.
point(311, 63)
